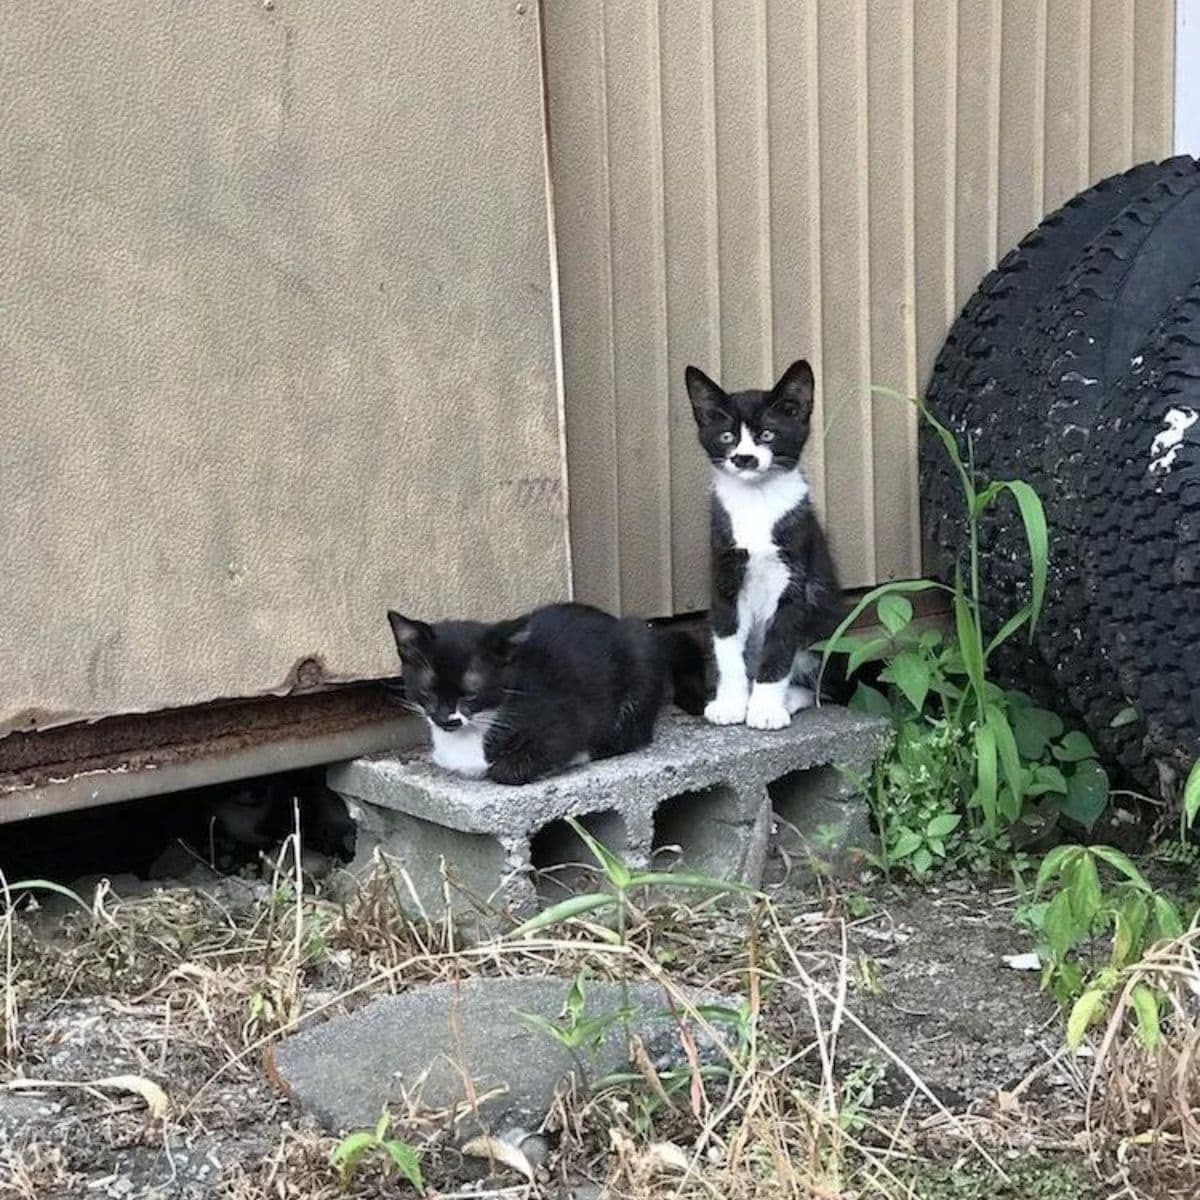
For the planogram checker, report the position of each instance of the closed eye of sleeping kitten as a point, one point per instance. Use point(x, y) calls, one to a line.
point(775, 590)
point(521, 699)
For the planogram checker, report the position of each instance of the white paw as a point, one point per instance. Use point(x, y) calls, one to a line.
point(800, 697)
point(767, 712)
point(726, 710)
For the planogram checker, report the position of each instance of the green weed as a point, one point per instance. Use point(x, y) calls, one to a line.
point(974, 770)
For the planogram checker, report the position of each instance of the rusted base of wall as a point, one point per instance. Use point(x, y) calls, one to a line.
point(123, 758)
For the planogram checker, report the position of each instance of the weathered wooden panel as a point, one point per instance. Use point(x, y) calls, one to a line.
point(759, 180)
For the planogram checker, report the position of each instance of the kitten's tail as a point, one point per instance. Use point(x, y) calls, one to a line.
point(686, 664)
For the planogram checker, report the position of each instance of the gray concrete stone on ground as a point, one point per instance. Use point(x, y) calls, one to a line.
point(426, 1044)
point(699, 787)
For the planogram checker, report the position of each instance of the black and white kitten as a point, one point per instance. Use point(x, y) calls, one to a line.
point(560, 686)
point(775, 590)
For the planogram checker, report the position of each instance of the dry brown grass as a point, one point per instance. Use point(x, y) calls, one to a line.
point(192, 989)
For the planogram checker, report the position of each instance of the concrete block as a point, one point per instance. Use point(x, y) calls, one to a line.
point(699, 795)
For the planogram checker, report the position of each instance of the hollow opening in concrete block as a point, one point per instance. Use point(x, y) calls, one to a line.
point(563, 865)
point(820, 823)
point(704, 832)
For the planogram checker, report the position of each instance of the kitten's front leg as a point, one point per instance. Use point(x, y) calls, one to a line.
point(775, 697)
point(728, 706)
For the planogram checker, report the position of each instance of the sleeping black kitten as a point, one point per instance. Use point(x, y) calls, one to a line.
point(775, 591)
point(561, 686)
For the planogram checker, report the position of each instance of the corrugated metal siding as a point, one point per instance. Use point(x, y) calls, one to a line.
point(739, 183)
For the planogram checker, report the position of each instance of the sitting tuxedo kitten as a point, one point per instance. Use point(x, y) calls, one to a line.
point(775, 591)
point(561, 686)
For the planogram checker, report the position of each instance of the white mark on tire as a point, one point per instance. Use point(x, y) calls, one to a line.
point(1078, 377)
point(1165, 446)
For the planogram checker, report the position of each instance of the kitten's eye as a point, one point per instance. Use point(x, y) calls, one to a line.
point(767, 435)
point(726, 439)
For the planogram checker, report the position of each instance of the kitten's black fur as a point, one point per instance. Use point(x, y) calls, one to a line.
point(775, 588)
point(547, 688)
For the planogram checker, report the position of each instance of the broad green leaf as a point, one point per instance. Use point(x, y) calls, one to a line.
point(407, 1162)
point(1035, 729)
point(867, 650)
point(1010, 758)
point(1033, 516)
point(575, 906)
point(1083, 886)
point(349, 1151)
point(894, 612)
point(576, 998)
point(1087, 794)
point(867, 699)
point(910, 673)
point(1075, 747)
point(1054, 862)
point(1059, 926)
point(614, 868)
point(905, 844)
point(1123, 863)
point(930, 639)
point(873, 597)
point(1127, 716)
point(1145, 1007)
point(922, 860)
point(1191, 796)
point(1088, 1008)
point(942, 824)
point(1047, 778)
point(1166, 917)
point(986, 778)
point(1129, 928)
point(968, 642)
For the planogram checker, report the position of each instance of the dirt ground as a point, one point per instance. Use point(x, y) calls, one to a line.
point(940, 1066)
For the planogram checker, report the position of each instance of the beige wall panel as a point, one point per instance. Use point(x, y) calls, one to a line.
point(1068, 99)
point(891, 312)
point(278, 342)
point(632, 55)
point(1110, 127)
point(845, 336)
point(935, 137)
point(693, 294)
point(977, 144)
point(1022, 119)
point(834, 179)
point(793, 116)
point(1153, 78)
point(579, 156)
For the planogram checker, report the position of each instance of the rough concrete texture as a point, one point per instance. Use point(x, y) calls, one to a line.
point(700, 789)
point(426, 1044)
point(821, 821)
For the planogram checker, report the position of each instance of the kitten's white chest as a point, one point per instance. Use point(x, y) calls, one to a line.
point(754, 509)
point(461, 750)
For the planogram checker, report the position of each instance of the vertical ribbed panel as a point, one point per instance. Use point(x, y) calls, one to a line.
point(742, 182)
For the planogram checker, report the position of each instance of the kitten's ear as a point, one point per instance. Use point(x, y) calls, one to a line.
point(504, 637)
point(708, 401)
point(794, 391)
point(414, 639)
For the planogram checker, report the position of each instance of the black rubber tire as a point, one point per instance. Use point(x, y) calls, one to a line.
point(1141, 562)
point(1108, 305)
point(981, 376)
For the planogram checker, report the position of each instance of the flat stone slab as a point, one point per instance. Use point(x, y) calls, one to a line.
point(428, 1042)
point(687, 754)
